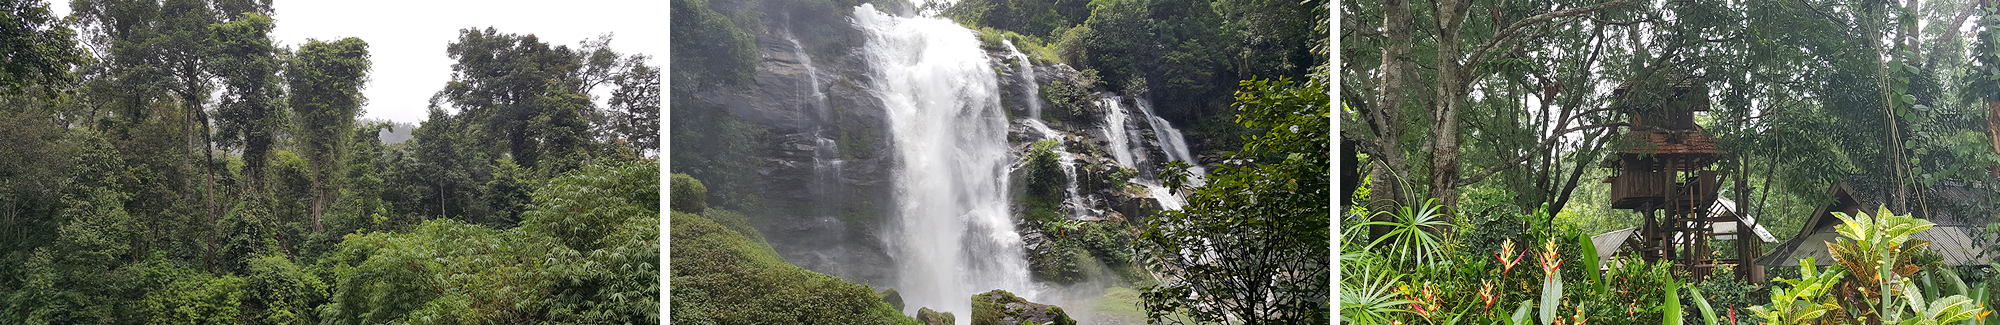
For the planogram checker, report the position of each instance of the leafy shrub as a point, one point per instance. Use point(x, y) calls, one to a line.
point(721, 277)
point(688, 194)
point(196, 298)
point(586, 252)
point(280, 292)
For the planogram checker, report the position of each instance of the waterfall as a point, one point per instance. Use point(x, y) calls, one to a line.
point(1031, 90)
point(827, 164)
point(1115, 130)
point(818, 104)
point(953, 235)
point(1171, 141)
point(1074, 203)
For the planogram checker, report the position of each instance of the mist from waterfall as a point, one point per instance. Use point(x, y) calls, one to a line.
point(953, 235)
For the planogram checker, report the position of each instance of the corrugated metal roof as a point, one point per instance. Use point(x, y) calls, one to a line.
point(1958, 209)
point(1726, 207)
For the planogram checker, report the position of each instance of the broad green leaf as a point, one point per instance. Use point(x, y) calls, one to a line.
point(1671, 312)
point(1707, 313)
point(1552, 288)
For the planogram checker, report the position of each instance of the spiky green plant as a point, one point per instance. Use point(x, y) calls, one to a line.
point(1413, 232)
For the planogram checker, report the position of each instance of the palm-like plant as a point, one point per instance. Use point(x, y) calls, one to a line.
point(1066, 226)
point(1411, 236)
point(1369, 297)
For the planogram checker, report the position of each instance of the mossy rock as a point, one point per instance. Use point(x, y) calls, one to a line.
point(931, 317)
point(999, 307)
point(892, 297)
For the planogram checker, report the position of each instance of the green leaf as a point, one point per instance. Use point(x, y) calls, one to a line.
point(1590, 265)
point(1552, 288)
point(1707, 313)
point(1671, 312)
point(1520, 314)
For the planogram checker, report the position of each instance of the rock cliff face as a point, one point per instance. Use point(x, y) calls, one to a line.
point(823, 158)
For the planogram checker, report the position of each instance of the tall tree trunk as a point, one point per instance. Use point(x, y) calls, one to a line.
point(1387, 115)
point(319, 200)
point(1993, 127)
point(1450, 89)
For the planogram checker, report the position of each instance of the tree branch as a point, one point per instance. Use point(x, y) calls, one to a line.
point(1516, 162)
point(1506, 34)
point(1950, 34)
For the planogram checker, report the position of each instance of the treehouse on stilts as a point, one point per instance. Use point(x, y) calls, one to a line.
point(1664, 170)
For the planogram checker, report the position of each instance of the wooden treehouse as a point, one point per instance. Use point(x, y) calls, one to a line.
point(1663, 169)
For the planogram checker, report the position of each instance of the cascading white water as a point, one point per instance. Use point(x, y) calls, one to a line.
point(954, 236)
point(827, 164)
point(1171, 141)
point(1114, 128)
point(818, 100)
point(1032, 90)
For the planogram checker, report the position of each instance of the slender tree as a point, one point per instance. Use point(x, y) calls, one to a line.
point(250, 115)
point(326, 80)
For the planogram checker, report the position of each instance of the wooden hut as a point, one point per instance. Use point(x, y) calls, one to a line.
point(1727, 224)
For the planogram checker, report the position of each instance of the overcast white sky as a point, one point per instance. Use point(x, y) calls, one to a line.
point(407, 39)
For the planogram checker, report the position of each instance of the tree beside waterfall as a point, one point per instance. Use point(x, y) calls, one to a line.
point(1250, 246)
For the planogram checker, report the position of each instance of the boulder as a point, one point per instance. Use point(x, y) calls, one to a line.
point(892, 297)
point(931, 317)
point(999, 307)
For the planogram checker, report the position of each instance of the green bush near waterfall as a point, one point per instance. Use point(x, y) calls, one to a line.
point(1044, 180)
point(687, 194)
point(722, 277)
point(1255, 225)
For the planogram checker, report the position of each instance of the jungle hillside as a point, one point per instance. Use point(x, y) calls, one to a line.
point(169, 162)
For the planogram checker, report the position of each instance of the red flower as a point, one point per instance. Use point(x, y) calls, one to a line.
point(1550, 258)
point(1506, 250)
point(1426, 302)
point(1486, 293)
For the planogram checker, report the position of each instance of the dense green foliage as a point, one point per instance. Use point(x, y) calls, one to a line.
point(39, 50)
point(1258, 224)
point(723, 276)
point(197, 172)
point(1487, 109)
